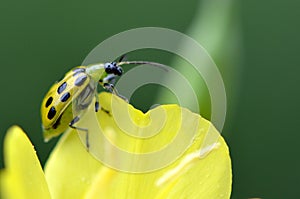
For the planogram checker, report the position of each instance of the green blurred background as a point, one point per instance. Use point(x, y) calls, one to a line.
point(254, 43)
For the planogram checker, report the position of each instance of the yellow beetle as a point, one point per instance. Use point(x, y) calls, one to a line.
point(67, 99)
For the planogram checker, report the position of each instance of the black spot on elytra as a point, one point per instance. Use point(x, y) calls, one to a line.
point(62, 87)
point(78, 71)
point(51, 113)
point(80, 80)
point(49, 101)
point(55, 125)
point(65, 97)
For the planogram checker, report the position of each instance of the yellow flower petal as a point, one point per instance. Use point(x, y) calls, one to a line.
point(70, 170)
point(183, 165)
point(23, 176)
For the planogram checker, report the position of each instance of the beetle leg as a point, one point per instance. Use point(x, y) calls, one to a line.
point(113, 90)
point(96, 103)
point(71, 125)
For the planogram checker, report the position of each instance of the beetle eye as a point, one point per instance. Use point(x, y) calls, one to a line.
point(119, 71)
point(108, 68)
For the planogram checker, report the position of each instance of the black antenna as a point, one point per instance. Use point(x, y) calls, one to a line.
point(164, 67)
point(122, 58)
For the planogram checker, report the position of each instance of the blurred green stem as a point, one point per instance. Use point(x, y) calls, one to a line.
point(215, 26)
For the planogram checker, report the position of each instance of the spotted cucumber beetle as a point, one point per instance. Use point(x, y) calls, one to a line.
point(67, 100)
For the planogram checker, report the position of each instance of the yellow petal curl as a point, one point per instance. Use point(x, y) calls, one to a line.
point(23, 177)
point(72, 172)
